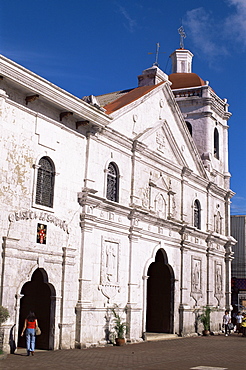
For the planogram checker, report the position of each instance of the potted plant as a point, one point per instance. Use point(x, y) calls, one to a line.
point(205, 320)
point(120, 328)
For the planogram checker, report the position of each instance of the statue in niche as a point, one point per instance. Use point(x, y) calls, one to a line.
point(196, 277)
point(160, 205)
point(173, 207)
point(218, 280)
point(110, 262)
point(218, 223)
point(145, 198)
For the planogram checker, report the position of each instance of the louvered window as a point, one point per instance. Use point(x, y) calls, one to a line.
point(45, 182)
point(197, 214)
point(113, 183)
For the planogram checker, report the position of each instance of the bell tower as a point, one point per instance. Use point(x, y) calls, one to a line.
point(205, 114)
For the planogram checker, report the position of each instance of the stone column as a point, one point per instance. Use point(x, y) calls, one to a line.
point(228, 258)
point(227, 203)
point(87, 225)
point(132, 310)
point(209, 225)
point(183, 281)
point(186, 172)
point(145, 280)
point(209, 289)
point(65, 337)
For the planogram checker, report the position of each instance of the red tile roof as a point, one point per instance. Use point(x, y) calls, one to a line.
point(133, 95)
point(183, 80)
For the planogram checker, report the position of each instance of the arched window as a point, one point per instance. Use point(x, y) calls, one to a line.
point(216, 143)
point(45, 182)
point(189, 126)
point(197, 214)
point(113, 183)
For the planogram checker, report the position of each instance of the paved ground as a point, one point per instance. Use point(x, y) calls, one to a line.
point(201, 353)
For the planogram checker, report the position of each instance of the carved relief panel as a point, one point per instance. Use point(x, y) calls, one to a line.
point(196, 278)
point(109, 275)
point(218, 281)
point(160, 141)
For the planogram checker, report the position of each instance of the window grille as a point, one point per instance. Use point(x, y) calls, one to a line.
point(45, 182)
point(197, 214)
point(112, 183)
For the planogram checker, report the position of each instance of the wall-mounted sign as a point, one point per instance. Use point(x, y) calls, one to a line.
point(41, 216)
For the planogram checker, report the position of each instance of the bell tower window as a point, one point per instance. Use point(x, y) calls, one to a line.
point(216, 143)
point(197, 214)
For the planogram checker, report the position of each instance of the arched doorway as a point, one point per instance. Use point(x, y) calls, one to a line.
point(37, 297)
point(160, 295)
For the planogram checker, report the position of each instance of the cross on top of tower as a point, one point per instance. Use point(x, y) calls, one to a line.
point(181, 31)
point(156, 55)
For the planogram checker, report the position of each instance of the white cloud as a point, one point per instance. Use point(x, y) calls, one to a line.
point(204, 31)
point(215, 37)
point(235, 24)
point(131, 23)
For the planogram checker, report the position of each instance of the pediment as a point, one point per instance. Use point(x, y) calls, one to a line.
point(160, 183)
point(160, 140)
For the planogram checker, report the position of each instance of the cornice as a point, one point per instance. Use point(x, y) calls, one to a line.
point(50, 92)
point(215, 103)
point(45, 118)
point(114, 137)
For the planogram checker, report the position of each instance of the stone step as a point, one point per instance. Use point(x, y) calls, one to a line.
point(150, 337)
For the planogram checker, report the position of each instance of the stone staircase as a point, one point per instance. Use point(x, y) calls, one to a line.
point(150, 337)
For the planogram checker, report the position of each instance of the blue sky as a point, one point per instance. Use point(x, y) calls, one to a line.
point(100, 46)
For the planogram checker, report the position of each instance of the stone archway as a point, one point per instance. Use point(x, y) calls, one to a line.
point(37, 297)
point(160, 295)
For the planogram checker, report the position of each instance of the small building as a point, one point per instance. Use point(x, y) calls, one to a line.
point(121, 199)
point(238, 231)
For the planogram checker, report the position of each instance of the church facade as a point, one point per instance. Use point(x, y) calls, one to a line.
point(122, 200)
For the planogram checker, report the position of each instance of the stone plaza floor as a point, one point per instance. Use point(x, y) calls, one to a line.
point(197, 353)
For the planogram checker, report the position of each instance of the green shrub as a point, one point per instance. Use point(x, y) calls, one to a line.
point(205, 318)
point(4, 314)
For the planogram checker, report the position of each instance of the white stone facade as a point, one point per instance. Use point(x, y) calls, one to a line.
point(99, 252)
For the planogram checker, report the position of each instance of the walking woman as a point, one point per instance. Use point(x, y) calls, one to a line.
point(30, 326)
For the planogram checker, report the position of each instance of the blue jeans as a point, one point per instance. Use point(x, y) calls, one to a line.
point(30, 340)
